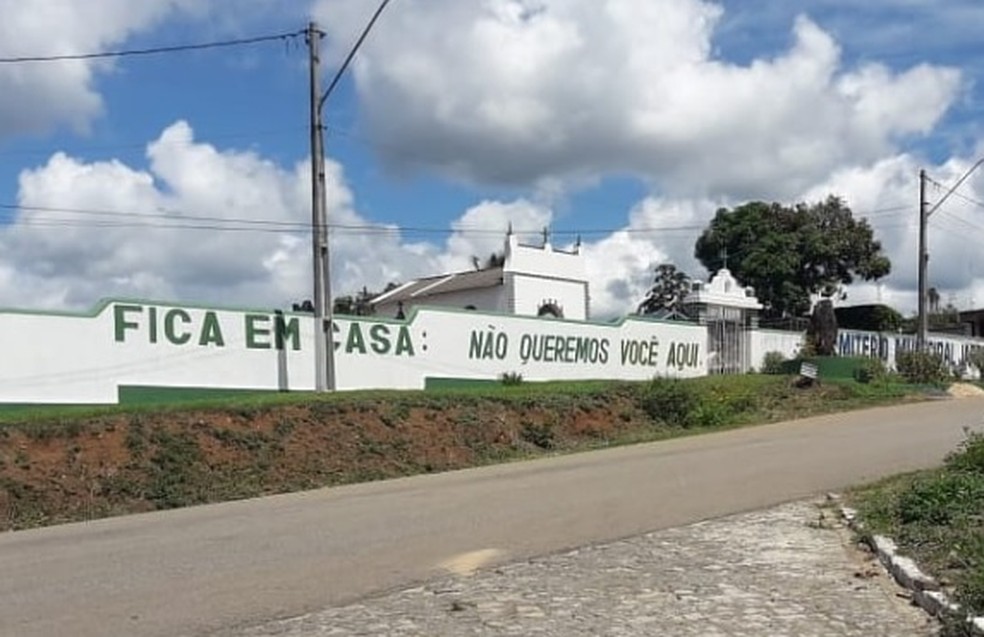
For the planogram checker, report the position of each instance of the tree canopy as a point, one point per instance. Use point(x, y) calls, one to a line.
point(670, 286)
point(789, 253)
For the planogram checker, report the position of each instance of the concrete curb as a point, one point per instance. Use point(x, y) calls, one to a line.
point(926, 591)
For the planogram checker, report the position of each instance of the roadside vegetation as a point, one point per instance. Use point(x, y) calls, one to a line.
point(937, 518)
point(70, 464)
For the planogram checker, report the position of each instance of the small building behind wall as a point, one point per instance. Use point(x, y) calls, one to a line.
point(533, 280)
point(730, 313)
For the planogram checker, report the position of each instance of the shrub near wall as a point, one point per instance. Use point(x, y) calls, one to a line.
point(924, 368)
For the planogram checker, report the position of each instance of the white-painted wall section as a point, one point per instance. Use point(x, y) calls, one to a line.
point(87, 358)
point(64, 358)
point(764, 341)
point(532, 293)
point(954, 350)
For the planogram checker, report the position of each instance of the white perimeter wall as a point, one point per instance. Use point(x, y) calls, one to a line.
point(62, 358)
point(66, 358)
point(764, 341)
point(885, 346)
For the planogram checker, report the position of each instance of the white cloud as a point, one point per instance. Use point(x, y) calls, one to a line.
point(226, 226)
point(621, 266)
point(40, 96)
point(210, 225)
point(516, 91)
point(481, 230)
point(546, 94)
point(887, 192)
point(185, 228)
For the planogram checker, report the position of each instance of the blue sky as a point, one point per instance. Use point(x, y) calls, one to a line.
point(628, 121)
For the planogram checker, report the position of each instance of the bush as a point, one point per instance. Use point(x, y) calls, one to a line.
point(510, 379)
point(709, 414)
point(970, 456)
point(871, 370)
point(940, 498)
point(538, 434)
point(772, 363)
point(670, 401)
point(921, 367)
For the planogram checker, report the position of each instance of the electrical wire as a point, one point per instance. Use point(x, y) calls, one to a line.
point(177, 220)
point(153, 50)
point(351, 53)
point(956, 193)
point(276, 132)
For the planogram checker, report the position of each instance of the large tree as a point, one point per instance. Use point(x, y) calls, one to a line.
point(670, 286)
point(789, 253)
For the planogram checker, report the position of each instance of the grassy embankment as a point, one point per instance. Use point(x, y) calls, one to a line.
point(69, 464)
point(937, 518)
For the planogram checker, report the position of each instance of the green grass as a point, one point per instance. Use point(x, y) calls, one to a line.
point(937, 517)
point(183, 452)
point(176, 400)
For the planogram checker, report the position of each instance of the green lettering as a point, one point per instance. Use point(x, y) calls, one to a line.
point(379, 335)
point(403, 342)
point(170, 327)
point(152, 311)
point(211, 331)
point(121, 324)
point(255, 331)
point(355, 339)
point(285, 329)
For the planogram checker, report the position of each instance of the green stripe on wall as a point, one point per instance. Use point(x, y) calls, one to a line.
point(145, 395)
point(433, 382)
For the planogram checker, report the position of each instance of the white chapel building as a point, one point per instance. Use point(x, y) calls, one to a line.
point(533, 280)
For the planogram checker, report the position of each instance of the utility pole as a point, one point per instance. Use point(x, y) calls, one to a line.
point(324, 341)
point(324, 350)
point(923, 326)
point(924, 214)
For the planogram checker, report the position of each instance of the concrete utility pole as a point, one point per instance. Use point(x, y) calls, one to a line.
point(924, 215)
point(324, 351)
point(923, 327)
point(324, 342)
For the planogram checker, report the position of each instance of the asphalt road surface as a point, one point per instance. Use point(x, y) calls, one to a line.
point(204, 569)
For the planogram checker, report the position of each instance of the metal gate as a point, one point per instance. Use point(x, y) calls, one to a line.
point(727, 340)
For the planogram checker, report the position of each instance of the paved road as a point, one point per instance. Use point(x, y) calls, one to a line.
point(787, 571)
point(198, 570)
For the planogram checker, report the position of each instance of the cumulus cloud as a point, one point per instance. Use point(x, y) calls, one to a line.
point(621, 265)
point(481, 230)
point(198, 224)
point(215, 225)
point(541, 94)
point(210, 225)
point(41, 96)
point(886, 192)
point(516, 91)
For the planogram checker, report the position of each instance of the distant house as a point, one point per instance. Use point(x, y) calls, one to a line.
point(534, 280)
point(972, 322)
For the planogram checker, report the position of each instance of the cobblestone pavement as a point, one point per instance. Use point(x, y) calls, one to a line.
point(791, 570)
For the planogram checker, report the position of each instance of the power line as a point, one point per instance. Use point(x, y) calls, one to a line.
point(176, 219)
point(957, 194)
point(276, 132)
point(153, 50)
point(351, 53)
